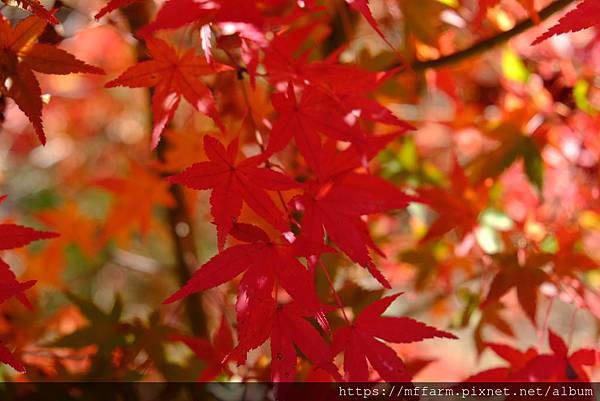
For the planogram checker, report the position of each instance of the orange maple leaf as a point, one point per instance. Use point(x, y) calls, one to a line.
point(526, 277)
point(136, 197)
point(20, 55)
point(172, 75)
point(77, 229)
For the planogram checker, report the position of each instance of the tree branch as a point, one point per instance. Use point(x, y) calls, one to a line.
point(180, 223)
point(489, 43)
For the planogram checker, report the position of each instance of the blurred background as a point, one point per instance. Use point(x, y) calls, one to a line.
point(505, 150)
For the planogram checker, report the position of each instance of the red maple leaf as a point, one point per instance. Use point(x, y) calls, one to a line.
point(262, 261)
point(10, 287)
point(20, 55)
point(585, 15)
point(213, 352)
point(287, 328)
point(517, 360)
point(336, 202)
point(8, 358)
point(177, 13)
point(491, 316)
point(524, 277)
point(303, 120)
point(361, 342)
point(14, 236)
point(173, 76)
point(567, 260)
point(362, 6)
point(113, 5)
point(258, 316)
point(559, 365)
point(234, 182)
point(321, 98)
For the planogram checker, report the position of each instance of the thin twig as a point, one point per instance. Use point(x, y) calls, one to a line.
point(334, 292)
point(487, 44)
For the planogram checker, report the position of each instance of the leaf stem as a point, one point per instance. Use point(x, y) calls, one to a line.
point(334, 291)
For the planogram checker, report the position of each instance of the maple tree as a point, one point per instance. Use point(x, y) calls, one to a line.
point(352, 190)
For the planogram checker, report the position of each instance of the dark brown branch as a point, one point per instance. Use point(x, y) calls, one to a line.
point(489, 43)
point(180, 223)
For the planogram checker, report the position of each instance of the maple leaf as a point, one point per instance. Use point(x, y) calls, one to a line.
point(491, 315)
point(263, 261)
point(182, 149)
point(13, 236)
point(351, 92)
point(20, 56)
point(76, 229)
point(304, 120)
point(212, 353)
point(567, 260)
point(233, 182)
point(362, 6)
point(104, 330)
point(259, 318)
point(354, 157)
point(135, 198)
point(517, 360)
point(113, 5)
point(335, 203)
point(584, 16)
point(361, 342)
point(559, 365)
point(172, 75)
point(458, 207)
point(35, 7)
point(10, 287)
point(512, 146)
point(337, 206)
point(532, 366)
point(8, 358)
point(177, 13)
point(526, 278)
point(287, 329)
point(331, 100)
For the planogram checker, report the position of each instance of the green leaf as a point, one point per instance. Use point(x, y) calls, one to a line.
point(534, 165)
point(513, 67)
point(580, 94)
